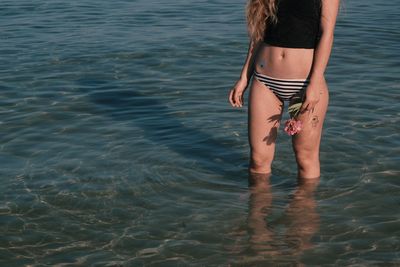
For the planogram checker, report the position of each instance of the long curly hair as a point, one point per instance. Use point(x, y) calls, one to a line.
point(257, 13)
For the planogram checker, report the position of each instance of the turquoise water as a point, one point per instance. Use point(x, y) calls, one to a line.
point(118, 146)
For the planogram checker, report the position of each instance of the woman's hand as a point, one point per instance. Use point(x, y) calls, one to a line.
point(236, 94)
point(312, 96)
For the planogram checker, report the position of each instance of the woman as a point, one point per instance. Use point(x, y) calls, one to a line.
point(290, 44)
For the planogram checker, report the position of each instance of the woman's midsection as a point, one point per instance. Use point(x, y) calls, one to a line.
point(285, 63)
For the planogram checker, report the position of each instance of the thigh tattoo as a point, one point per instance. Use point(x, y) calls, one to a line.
point(314, 121)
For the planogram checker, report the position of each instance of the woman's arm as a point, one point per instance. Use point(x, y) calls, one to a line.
point(322, 53)
point(248, 68)
point(236, 93)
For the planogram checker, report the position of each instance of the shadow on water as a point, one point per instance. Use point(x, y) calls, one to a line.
point(163, 128)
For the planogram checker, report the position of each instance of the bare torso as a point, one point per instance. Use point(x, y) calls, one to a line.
point(285, 63)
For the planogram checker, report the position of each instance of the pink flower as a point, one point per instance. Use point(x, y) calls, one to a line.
point(292, 126)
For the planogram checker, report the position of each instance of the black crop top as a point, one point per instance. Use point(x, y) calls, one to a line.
point(297, 25)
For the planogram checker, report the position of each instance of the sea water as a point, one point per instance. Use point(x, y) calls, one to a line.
point(118, 146)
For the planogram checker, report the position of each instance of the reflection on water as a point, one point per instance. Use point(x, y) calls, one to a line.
point(300, 220)
point(260, 201)
point(302, 217)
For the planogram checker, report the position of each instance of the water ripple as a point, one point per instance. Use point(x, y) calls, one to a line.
point(118, 146)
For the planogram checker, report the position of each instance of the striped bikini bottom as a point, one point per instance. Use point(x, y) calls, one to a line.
point(284, 89)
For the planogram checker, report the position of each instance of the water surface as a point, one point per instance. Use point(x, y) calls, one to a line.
point(118, 146)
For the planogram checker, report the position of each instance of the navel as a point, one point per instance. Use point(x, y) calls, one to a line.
point(282, 55)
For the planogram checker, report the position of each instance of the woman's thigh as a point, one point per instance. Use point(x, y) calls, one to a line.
point(309, 138)
point(265, 112)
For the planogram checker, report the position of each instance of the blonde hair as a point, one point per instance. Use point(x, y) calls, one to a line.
point(257, 13)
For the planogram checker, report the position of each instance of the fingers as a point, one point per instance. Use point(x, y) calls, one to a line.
point(236, 98)
point(304, 107)
point(308, 106)
point(312, 105)
point(231, 99)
